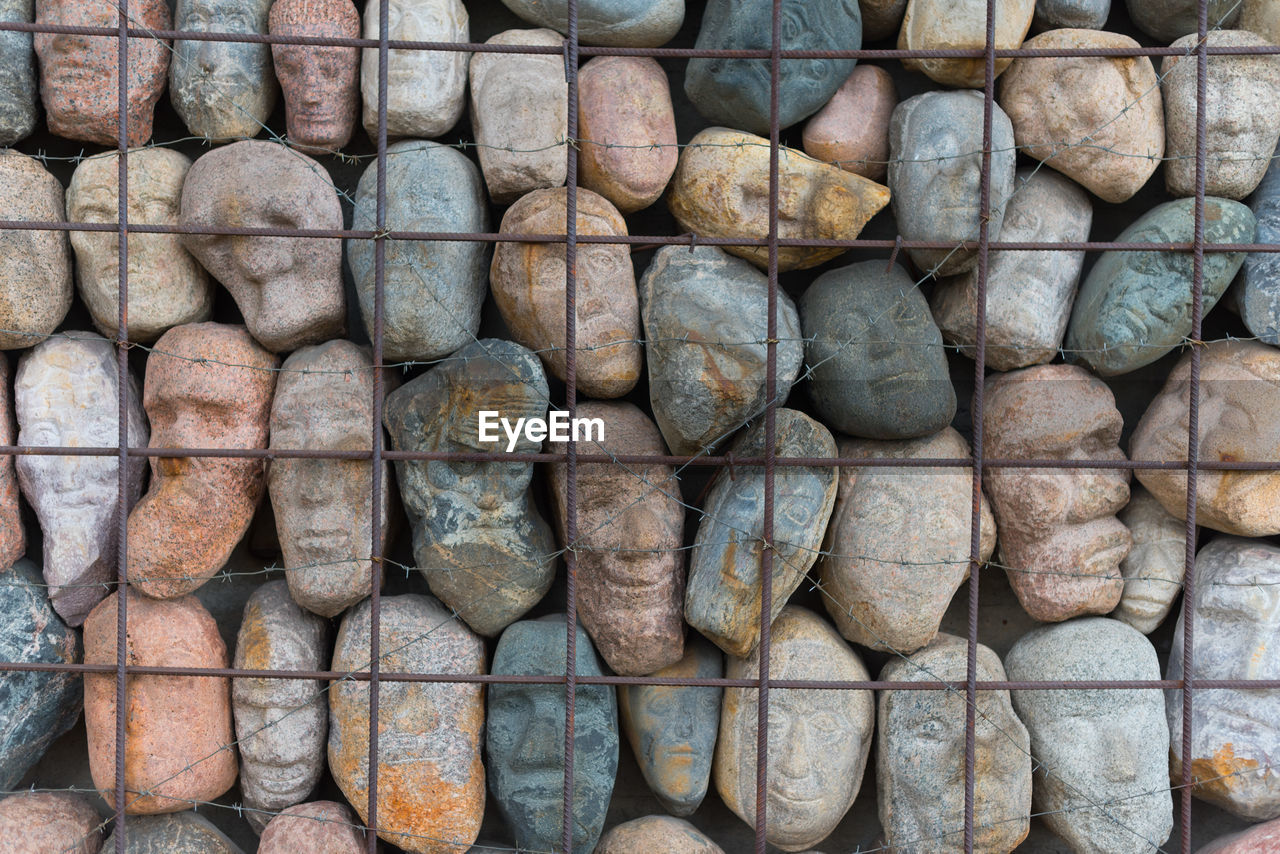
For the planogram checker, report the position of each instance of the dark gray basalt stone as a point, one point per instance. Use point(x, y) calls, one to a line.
point(1071, 14)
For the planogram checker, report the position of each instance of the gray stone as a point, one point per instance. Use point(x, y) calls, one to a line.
point(735, 92)
point(1166, 20)
point(1071, 14)
point(1102, 755)
point(34, 265)
point(176, 833)
point(18, 79)
point(656, 833)
point(222, 90)
point(525, 737)
point(618, 23)
point(877, 365)
point(705, 323)
point(1135, 306)
point(1258, 292)
point(935, 164)
point(722, 597)
point(1154, 568)
point(426, 89)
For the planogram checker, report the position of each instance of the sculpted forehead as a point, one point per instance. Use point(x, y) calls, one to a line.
point(1046, 410)
point(154, 174)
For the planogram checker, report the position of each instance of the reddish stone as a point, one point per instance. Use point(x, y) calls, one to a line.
point(1259, 839)
point(852, 130)
point(321, 85)
point(13, 538)
point(320, 827)
point(41, 822)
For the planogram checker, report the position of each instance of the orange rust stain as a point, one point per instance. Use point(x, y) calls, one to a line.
point(1221, 772)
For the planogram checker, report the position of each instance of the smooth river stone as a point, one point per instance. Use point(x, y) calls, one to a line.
point(877, 365)
point(80, 75)
point(178, 743)
point(722, 597)
point(935, 168)
point(1242, 123)
point(426, 89)
point(525, 737)
point(1135, 306)
point(37, 707)
point(1166, 20)
point(1153, 570)
point(1102, 755)
point(706, 323)
point(318, 827)
point(1029, 293)
point(180, 833)
point(656, 833)
point(44, 822)
point(1071, 14)
point(852, 130)
point(1258, 293)
point(721, 189)
point(529, 286)
point(321, 85)
point(617, 23)
point(819, 742)
point(897, 548)
point(34, 265)
point(18, 113)
point(959, 25)
point(626, 130)
point(430, 778)
point(1259, 839)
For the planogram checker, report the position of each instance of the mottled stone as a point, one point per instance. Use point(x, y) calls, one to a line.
point(36, 707)
point(722, 598)
point(208, 385)
point(625, 102)
point(289, 290)
point(1242, 123)
point(1258, 293)
point(619, 23)
point(920, 756)
point(735, 92)
point(525, 737)
point(1260, 839)
point(721, 189)
point(656, 833)
point(430, 778)
point(672, 728)
point(222, 90)
point(426, 89)
point(875, 356)
point(519, 113)
point(1060, 541)
point(1102, 755)
point(80, 75)
point(881, 19)
point(1135, 306)
point(1166, 20)
point(178, 743)
point(1029, 293)
point(18, 113)
point(1071, 14)
point(897, 547)
point(34, 265)
point(180, 833)
point(166, 286)
point(961, 24)
point(13, 537)
point(706, 323)
point(820, 739)
point(323, 508)
point(477, 536)
point(1153, 570)
point(1261, 17)
point(67, 393)
point(43, 822)
point(319, 827)
point(852, 130)
point(528, 285)
point(935, 168)
point(321, 85)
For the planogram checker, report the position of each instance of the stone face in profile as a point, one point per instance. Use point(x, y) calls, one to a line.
point(430, 780)
point(1258, 295)
point(1102, 756)
point(426, 89)
point(13, 537)
point(958, 24)
point(1166, 20)
point(1154, 568)
point(222, 90)
point(852, 130)
point(35, 266)
point(815, 768)
point(477, 536)
point(525, 738)
point(180, 833)
point(656, 833)
point(321, 85)
point(722, 599)
point(67, 393)
point(721, 189)
point(1067, 14)
point(324, 827)
point(920, 756)
point(620, 23)
point(18, 112)
point(38, 822)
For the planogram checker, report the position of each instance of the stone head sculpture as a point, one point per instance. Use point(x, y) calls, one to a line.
point(321, 85)
point(17, 75)
point(1154, 568)
point(223, 90)
point(35, 265)
point(426, 89)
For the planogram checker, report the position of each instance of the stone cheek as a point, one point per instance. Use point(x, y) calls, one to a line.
point(934, 24)
point(41, 822)
point(319, 827)
point(1153, 570)
point(35, 265)
point(18, 111)
point(656, 833)
point(852, 130)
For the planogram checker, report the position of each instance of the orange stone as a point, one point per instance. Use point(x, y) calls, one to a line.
point(852, 130)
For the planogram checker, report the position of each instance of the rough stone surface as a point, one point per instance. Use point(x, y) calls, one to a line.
point(1029, 293)
point(525, 738)
point(13, 537)
point(222, 90)
point(321, 85)
point(625, 101)
point(1153, 570)
point(1060, 542)
point(1071, 14)
point(34, 265)
point(180, 833)
point(289, 290)
point(528, 285)
point(167, 287)
point(1261, 17)
point(80, 75)
point(619, 23)
point(1261, 839)
point(706, 323)
point(197, 508)
point(1102, 756)
point(935, 167)
point(430, 778)
point(672, 729)
point(920, 756)
point(18, 113)
point(324, 521)
point(44, 822)
point(722, 598)
point(939, 24)
point(1098, 120)
point(319, 827)
point(426, 89)
point(477, 536)
point(852, 130)
point(721, 189)
point(897, 547)
point(1166, 20)
point(67, 393)
point(656, 833)
point(1258, 294)
point(881, 19)
point(876, 361)
point(1134, 307)
point(178, 743)
point(519, 113)
point(822, 738)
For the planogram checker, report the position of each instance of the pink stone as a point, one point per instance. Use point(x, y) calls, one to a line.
point(42, 822)
point(13, 539)
point(1259, 839)
point(319, 827)
point(321, 85)
point(852, 130)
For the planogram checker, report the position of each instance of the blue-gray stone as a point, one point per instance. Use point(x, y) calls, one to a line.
point(223, 90)
point(618, 23)
point(1071, 14)
point(735, 92)
point(432, 290)
point(1167, 20)
point(35, 708)
point(17, 74)
point(1259, 291)
point(1135, 306)
point(177, 833)
point(878, 366)
point(525, 731)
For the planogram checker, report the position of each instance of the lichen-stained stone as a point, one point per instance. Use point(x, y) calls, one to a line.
point(321, 85)
point(618, 23)
point(426, 89)
point(13, 537)
point(178, 833)
point(656, 833)
point(1153, 570)
point(44, 822)
point(319, 827)
point(35, 266)
point(721, 189)
point(852, 130)
point(18, 112)
point(961, 24)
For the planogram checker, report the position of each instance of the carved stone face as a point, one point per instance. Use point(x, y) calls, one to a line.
point(222, 90)
point(425, 88)
point(1153, 570)
point(320, 84)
